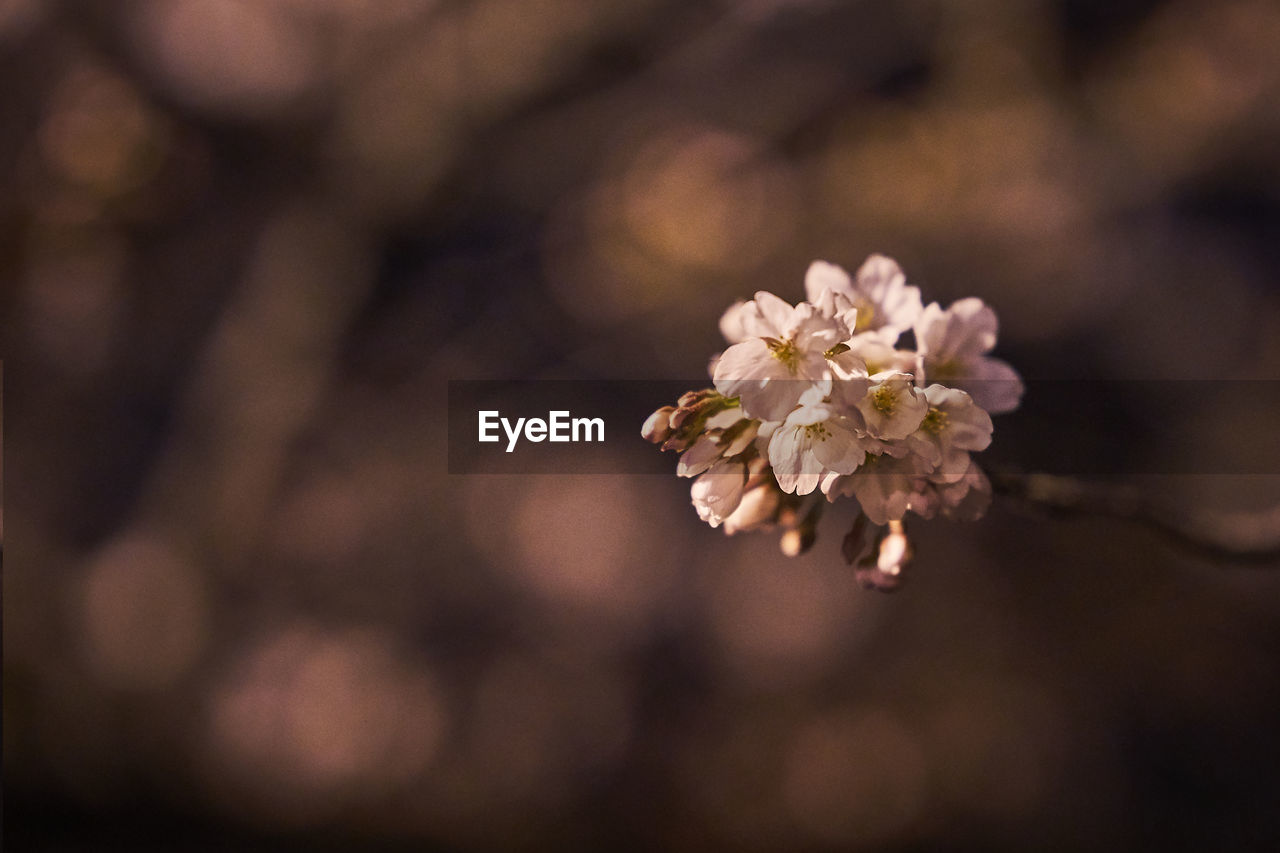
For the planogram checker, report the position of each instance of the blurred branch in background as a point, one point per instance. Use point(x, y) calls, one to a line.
point(1238, 536)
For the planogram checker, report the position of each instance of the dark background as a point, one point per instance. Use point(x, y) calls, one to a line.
point(245, 245)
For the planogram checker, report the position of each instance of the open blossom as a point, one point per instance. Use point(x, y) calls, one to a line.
point(886, 305)
point(818, 397)
point(961, 498)
point(952, 427)
point(953, 346)
point(892, 408)
point(814, 439)
point(784, 355)
point(884, 486)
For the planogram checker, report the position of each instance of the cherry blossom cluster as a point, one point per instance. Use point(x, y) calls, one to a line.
point(859, 391)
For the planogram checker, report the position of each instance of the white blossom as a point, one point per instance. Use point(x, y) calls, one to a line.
point(953, 346)
point(886, 305)
point(884, 485)
point(818, 396)
point(961, 498)
point(813, 440)
point(785, 356)
point(952, 426)
point(892, 407)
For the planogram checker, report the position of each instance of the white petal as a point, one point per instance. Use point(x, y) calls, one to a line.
point(946, 398)
point(717, 493)
point(923, 445)
point(808, 481)
point(786, 450)
point(777, 313)
point(763, 384)
point(996, 386)
point(879, 275)
point(698, 458)
point(971, 329)
point(967, 499)
point(838, 307)
point(822, 276)
point(840, 451)
point(811, 411)
point(731, 323)
point(953, 467)
point(882, 497)
point(757, 508)
point(813, 331)
point(772, 399)
point(751, 359)
point(834, 485)
point(969, 429)
point(901, 308)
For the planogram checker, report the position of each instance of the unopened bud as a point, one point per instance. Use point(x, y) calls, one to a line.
point(657, 428)
point(887, 571)
point(690, 399)
point(759, 506)
point(688, 412)
point(800, 538)
point(796, 541)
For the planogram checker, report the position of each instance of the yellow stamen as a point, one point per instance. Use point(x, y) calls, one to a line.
point(785, 352)
point(935, 421)
point(866, 313)
point(818, 431)
point(884, 399)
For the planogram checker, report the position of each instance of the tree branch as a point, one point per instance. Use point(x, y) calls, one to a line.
point(1239, 537)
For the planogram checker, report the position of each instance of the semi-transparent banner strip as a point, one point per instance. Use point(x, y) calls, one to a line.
point(1079, 427)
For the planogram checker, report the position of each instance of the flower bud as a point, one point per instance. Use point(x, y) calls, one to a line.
point(689, 399)
point(796, 541)
point(800, 538)
point(886, 571)
point(689, 412)
point(759, 506)
point(657, 428)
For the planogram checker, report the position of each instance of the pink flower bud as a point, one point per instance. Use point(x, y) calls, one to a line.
point(657, 428)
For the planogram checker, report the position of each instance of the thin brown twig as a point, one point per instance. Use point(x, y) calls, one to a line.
point(1251, 537)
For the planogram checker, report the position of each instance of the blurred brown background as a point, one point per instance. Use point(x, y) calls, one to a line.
point(247, 242)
